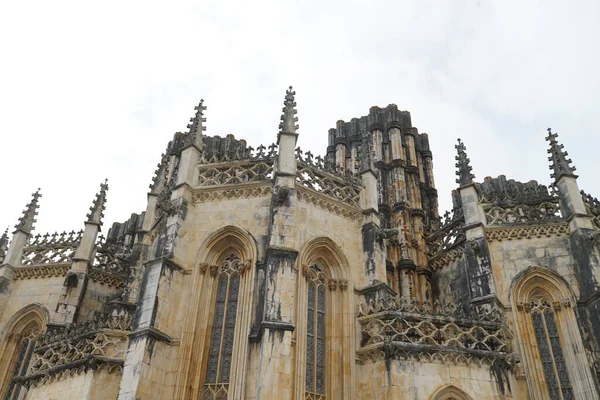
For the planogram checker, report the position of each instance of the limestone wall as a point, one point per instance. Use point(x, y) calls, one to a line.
point(44, 291)
point(510, 257)
point(89, 385)
point(411, 380)
point(96, 296)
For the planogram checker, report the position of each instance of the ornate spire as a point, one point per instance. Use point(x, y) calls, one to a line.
point(159, 174)
point(28, 219)
point(196, 128)
point(97, 209)
point(289, 119)
point(560, 164)
point(464, 168)
point(3, 245)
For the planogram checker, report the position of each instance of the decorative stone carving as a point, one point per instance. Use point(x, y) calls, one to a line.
point(202, 267)
point(345, 191)
point(332, 284)
point(333, 206)
point(343, 284)
point(214, 270)
point(231, 174)
point(224, 194)
point(543, 212)
point(56, 248)
point(527, 232)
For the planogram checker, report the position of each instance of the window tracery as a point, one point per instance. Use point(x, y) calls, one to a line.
point(25, 347)
point(216, 384)
point(551, 353)
point(315, 334)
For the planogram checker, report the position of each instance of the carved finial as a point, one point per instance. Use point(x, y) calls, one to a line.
point(463, 167)
point(28, 219)
point(559, 163)
point(289, 119)
point(3, 245)
point(97, 209)
point(196, 128)
point(159, 174)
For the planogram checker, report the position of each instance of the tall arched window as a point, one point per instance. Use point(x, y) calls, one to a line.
point(551, 353)
point(25, 347)
point(216, 383)
point(324, 334)
point(546, 331)
point(16, 349)
point(450, 393)
point(315, 334)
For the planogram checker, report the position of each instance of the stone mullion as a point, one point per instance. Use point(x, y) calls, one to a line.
point(223, 327)
point(577, 364)
point(348, 352)
point(551, 350)
point(187, 350)
point(331, 324)
point(528, 343)
point(239, 356)
point(206, 318)
point(301, 321)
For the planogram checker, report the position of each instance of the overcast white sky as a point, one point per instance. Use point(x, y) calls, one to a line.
point(94, 90)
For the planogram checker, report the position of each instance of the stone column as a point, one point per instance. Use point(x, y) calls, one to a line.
point(424, 274)
point(373, 252)
point(275, 374)
point(73, 290)
point(406, 269)
point(340, 147)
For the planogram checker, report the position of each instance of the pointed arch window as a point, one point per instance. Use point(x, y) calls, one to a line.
point(216, 384)
point(25, 348)
point(315, 335)
point(551, 353)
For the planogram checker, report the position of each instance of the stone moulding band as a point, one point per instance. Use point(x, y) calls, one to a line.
point(526, 232)
point(226, 192)
point(431, 353)
point(91, 362)
point(106, 278)
point(41, 271)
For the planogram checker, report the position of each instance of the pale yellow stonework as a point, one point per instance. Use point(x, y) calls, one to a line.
point(274, 274)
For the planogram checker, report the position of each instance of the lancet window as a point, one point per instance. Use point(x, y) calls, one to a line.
point(25, 351)
point(315, 335)
point(216, 384)
point(551, 352)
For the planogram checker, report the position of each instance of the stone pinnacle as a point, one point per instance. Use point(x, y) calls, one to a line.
point(559, 163)
point(289, 119)
point(28, 219)
point(196, 128)
point(97, 209)
point(463, 165)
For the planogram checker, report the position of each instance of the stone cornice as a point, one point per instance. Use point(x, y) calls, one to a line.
point(526, 231)
point(41, 271)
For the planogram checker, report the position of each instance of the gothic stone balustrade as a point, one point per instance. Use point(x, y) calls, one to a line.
point(396, 328)
point(101, 342)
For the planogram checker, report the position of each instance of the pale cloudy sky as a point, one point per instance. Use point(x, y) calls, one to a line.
point(94, 90)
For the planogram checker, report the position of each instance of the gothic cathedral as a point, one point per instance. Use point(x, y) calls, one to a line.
point(269, 273)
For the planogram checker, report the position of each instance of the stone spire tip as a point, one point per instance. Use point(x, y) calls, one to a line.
point(3, 244)
point(463, 165)
point(196, 128)
point(97, 209)
point(28, 219)
point(559, 163)
point(288, 118)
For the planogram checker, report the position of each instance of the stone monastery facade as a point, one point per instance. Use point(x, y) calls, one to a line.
point(270, 273)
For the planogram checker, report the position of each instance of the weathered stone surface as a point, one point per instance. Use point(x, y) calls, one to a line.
point(272, 273)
